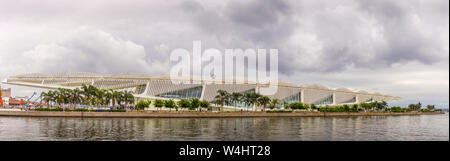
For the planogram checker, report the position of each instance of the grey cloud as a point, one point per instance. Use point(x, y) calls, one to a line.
point(366, 34)
point(87, 50)
point(319, 37)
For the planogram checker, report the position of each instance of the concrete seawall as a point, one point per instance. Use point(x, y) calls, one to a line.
point(187, 114)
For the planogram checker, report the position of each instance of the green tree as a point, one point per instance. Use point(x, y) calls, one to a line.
point(415, 107)
point(204, 104)
point(236, 97)
point(170, 104)
point(286, 105)
point(274, 103)
point(158, 103)
point(251, 99)
point(115, 95)
point(264, 101)
point(128, 98)
point(75, 96)
point(222, 97)
point(195, 103)
point(47, 97)
point(297, 105)
point(355, 107)
point(184, 103)
point(99, 97)
point(142, 104)
point(365, 106)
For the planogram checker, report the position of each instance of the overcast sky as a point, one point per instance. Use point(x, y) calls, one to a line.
point(395, 47)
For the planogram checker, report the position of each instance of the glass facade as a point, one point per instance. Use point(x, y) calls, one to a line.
point(195, 92)
point(326, 101)
point(353, 100)
point(292, 99)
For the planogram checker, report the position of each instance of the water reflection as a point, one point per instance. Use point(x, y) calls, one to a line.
point(425, 127)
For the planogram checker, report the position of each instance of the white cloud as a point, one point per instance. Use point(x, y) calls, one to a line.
point(85, 50)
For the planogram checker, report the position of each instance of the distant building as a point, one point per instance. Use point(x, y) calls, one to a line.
point(6, 92)
point(5, 96)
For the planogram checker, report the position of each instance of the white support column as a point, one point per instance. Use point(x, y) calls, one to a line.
point(302, 96)
point(357, 98)
point(146, 88)
point(203, 91)
point(256, 91)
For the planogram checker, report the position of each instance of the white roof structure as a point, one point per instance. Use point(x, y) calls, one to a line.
point(146, 86)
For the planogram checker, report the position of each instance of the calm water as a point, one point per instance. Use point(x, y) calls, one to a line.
point(424, 127)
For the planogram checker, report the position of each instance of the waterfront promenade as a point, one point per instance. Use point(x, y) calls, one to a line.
point(196, 114)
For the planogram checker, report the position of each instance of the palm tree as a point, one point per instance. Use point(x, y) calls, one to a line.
point(252, 99)
point(120, 98)
point(76, 96)
point(90, 93)
point(285, 105)
point(248, 99)
point(87, 95)
point(128, 98)
point(236, 97)
point(264, 100)
point(47, 97)
point(222, 97)
point(256, 99)
point(100, 97)
point(274, 103)
point(114, 96)
point(59, 94)
point(384, 105)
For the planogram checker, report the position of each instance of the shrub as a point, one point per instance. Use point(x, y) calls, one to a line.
point(415, 107)
point(81, 110)
point(297, 105)
point(49, 109)
point(280, 111)
point(195, 103)
point(430, 107)
point(159, 103)
point(113, 110)
point(184, 103)
point(204, 104)
point(169, 104)
point(344, 108)
point(306, 106)
point(398, 109)
point(142, 104)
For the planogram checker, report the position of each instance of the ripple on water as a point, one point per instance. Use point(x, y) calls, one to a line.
point(423, 127)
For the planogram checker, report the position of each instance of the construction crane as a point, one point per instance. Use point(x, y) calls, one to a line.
point(26, 102)
point(32, 103)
